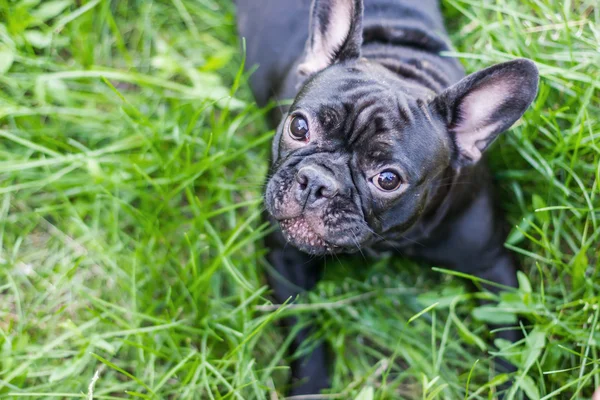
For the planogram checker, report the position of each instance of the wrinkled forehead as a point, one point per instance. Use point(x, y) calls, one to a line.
point(336, 83)
point(354, 102)
point(344, 77)
point(346, 102)
point(368, 116)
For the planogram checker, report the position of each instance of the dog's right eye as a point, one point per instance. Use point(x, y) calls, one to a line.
point(299, 128)
point(387, 180)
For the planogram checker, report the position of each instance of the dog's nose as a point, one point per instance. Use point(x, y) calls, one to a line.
point(315, 185)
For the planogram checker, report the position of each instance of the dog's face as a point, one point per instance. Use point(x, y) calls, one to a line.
point(354, 157)
point(360, 149)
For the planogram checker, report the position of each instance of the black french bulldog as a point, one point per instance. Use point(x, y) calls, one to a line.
point(381, 147)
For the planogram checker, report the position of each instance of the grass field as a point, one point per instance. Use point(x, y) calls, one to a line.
point(132, 161)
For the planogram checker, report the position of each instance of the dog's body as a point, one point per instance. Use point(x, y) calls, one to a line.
point(378, 106)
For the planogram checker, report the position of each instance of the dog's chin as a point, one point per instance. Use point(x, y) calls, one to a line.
point(301, 235)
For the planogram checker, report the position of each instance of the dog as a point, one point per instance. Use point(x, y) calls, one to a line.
point(381, 149)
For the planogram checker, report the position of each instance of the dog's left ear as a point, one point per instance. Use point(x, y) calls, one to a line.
point(484, 104)
point(335, 34)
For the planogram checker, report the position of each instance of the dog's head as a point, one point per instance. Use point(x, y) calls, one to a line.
point(359, 150)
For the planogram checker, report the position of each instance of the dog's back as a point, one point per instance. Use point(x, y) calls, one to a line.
point(276, 31)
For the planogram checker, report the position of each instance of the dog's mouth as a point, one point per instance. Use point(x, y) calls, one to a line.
point(299, 232)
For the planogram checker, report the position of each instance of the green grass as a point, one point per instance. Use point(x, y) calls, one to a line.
point(132, 161)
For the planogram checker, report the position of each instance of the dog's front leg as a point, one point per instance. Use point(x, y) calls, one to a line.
point(481, 253)
point(292, 273)
point(472, 241)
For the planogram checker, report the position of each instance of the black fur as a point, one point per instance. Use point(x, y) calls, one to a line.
point(385, 100)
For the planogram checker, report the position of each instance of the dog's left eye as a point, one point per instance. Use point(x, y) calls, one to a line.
point(387, 180)
point(299, 128)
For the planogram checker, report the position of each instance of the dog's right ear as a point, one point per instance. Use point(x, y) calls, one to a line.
point(335, 34)
point(486, 103)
